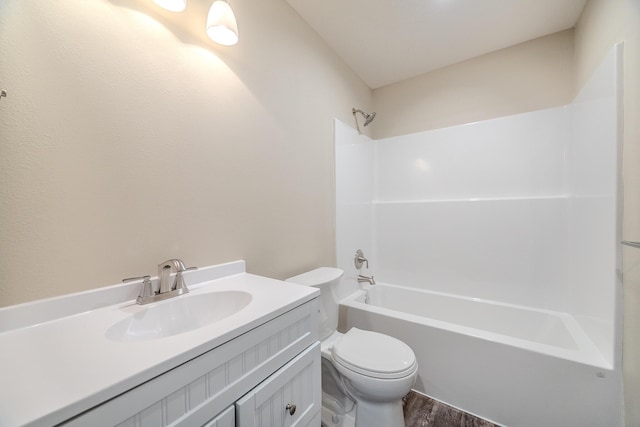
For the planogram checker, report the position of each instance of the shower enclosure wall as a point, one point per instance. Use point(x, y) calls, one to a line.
point(520, 210)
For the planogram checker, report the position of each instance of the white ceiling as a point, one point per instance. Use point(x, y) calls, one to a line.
point(385, 41)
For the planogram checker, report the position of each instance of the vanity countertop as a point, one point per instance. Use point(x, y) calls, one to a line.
point(64, 363)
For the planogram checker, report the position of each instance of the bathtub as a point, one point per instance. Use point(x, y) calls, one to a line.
point(512, 365)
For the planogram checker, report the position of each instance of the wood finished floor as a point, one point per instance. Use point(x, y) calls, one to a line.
point(422, 411)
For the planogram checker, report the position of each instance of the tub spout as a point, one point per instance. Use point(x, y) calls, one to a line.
point(367, 279)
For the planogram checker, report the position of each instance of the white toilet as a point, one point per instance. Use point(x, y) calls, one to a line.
point(379, 369)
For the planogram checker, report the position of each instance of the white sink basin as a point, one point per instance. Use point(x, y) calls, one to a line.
point(178, 315)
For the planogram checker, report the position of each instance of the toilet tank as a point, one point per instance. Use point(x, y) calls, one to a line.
point(325, 279)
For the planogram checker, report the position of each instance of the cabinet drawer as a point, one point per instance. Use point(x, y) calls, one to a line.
point(194, 392)
point(225, 419)
point(297, 383)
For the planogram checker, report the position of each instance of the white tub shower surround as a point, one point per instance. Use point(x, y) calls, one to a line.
point(520, 211)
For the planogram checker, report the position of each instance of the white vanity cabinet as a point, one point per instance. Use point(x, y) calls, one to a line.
point(246, 381)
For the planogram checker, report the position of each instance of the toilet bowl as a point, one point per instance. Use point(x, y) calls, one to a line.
point(376, 370)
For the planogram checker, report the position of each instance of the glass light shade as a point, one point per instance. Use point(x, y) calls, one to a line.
point(172, 5)
point(222, 27)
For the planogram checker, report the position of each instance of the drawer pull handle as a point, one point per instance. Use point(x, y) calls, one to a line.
point(291, 408)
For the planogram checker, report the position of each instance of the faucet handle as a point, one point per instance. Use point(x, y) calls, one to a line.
point(146, 291)
point(359, 259)
point(180, 280)
point(133, 279)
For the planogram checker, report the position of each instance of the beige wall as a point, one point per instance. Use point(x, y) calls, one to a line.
point(128, 138)
point(525, 77)
point(602, 24)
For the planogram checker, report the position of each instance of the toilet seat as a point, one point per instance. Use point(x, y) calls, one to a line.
point(374, 355)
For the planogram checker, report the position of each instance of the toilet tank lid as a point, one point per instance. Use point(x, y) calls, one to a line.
point(317, 277)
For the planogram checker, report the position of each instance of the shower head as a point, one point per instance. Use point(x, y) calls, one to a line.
point(368, 118)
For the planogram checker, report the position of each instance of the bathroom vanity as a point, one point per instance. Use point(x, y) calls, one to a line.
point(256, 364)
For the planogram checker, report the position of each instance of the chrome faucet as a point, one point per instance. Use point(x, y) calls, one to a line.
point(164, 275)
point(367, 279)
point(165, 288)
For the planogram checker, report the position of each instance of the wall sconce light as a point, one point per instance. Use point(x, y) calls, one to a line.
point(222, 27)
point(172, 5)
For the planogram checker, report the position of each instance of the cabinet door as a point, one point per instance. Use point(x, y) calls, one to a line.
point(226, 419)
point(290, 397)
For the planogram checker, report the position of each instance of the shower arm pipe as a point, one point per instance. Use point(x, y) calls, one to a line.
point(354, 111)
point(632, 244)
